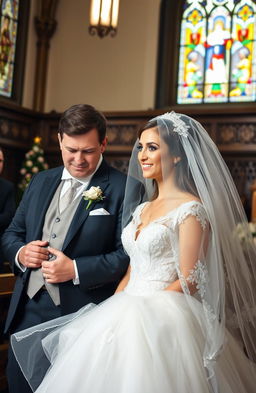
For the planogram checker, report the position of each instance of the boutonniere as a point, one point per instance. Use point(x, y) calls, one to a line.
point(94, 194)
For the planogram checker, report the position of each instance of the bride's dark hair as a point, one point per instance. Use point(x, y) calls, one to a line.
point(183, 177)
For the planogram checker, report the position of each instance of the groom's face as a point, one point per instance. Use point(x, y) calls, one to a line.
point(81, 153)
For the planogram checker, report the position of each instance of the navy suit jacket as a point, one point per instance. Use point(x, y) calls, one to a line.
point(92, 240)
point(7, 207)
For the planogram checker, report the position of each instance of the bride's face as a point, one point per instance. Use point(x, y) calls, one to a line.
point(149, 154)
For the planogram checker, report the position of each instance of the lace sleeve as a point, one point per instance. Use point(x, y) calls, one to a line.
point(193, 268)
point(193, 248)
point(195, 209)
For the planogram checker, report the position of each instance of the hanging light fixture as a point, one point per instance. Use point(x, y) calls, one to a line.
point(103, 17)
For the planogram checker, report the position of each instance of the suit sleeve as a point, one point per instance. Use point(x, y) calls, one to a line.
point(8, 209)
point(14, 236)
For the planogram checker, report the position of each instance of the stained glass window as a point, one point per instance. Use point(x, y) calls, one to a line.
point(217, 52)
point(8, 33)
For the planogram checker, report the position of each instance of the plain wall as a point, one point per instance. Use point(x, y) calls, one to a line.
point(111, 73)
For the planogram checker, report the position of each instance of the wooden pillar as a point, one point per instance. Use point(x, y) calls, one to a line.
point(45, 25)
point(253, 202)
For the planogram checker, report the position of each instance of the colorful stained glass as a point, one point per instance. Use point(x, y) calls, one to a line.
point(8, 33)
point(217, 48)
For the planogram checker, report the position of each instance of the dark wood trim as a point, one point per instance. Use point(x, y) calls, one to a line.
point(167, 63)
point(7, 282)
point(232, 127)
point(244, 109)
point(3, 361)
point(45, 26)
point(19, 68)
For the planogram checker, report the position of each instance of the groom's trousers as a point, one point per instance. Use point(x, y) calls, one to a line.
point(31, 314)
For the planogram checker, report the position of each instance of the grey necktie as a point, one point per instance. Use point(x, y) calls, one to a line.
point(37, 281)
point(69, 195)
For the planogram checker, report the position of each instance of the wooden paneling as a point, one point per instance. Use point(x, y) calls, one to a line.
point(233, 129)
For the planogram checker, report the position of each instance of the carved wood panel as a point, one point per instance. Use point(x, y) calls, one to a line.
point(234, 134)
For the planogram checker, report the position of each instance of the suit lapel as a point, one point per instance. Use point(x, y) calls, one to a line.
point(101, 179)
point(47, 191)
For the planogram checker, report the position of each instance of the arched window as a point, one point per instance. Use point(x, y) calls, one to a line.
point(217, 52)
point(13, 27)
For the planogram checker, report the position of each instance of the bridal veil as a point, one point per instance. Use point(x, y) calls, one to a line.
point(224, 272)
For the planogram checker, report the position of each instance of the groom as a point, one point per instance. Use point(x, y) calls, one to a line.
point(66, 251)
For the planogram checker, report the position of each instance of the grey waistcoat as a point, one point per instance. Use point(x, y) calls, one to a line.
point(55, 228)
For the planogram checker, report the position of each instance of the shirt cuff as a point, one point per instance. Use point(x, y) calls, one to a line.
point(76, 280)
point(19, 265)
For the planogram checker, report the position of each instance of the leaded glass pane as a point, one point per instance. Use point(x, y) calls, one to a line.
point(217, 48)
point(243, 68)
point(9, 24)
point(192, 53)
point(217, 59)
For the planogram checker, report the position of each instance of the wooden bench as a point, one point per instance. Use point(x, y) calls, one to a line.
point(7, 281)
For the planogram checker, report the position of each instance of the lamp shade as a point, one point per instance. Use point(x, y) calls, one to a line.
point(103, 17)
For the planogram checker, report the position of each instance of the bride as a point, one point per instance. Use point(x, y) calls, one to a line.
point(190, 283)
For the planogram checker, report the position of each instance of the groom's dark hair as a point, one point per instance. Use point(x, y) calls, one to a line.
point(80, 119)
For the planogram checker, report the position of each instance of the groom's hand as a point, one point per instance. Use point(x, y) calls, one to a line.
point(59, 268)
point(33, 254)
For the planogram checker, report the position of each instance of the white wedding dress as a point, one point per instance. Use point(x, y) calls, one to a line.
point(144, 339)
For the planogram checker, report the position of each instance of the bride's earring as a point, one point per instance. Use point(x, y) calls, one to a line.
point(176, 161)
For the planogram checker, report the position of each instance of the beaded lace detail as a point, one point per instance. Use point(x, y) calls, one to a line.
point(154, 254)
point(179, 125)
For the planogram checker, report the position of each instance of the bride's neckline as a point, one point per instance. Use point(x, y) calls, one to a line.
point(160, 218)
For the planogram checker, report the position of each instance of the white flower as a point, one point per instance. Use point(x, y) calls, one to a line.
point(23, 171)
point(30, 153)
point(245, 232)
point(29, 163)
point(94, 194)
point(35, 148)
point(34, 169)
point(252, 227)
point(40, 159)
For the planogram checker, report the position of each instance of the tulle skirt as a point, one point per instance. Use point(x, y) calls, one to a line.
point(130, 344)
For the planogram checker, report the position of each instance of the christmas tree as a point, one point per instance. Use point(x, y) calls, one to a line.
point(33, 163)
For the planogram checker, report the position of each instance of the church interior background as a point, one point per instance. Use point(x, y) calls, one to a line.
point(193, 56)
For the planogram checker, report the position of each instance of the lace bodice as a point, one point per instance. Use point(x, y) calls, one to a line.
point(154, 254)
